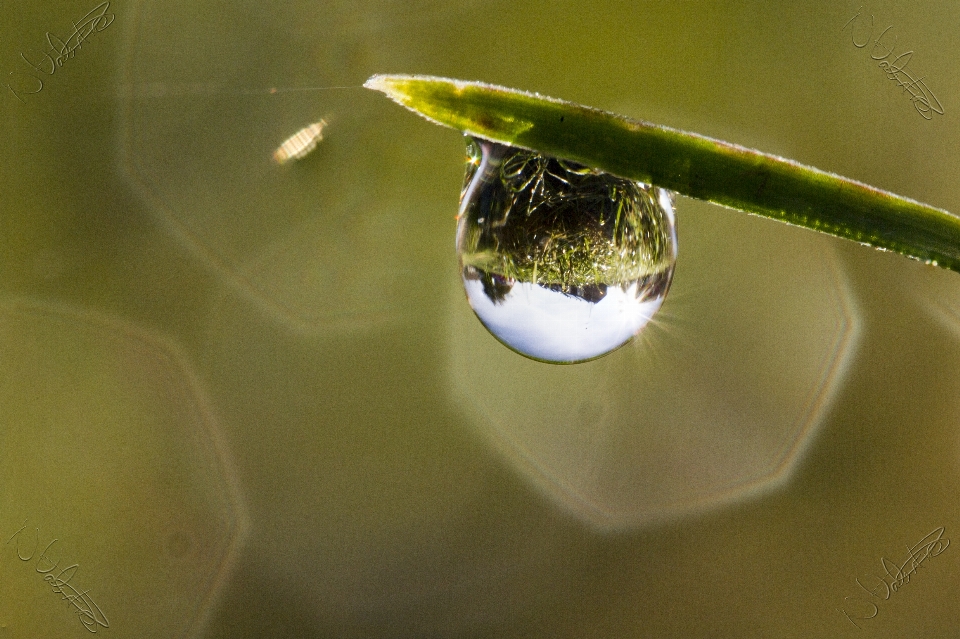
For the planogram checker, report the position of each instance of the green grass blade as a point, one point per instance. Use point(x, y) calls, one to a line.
point(690, 164)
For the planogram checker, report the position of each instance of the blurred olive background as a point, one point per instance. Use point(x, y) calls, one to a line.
point(250, 400)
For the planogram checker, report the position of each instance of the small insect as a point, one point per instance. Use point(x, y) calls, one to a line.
point(300, 143)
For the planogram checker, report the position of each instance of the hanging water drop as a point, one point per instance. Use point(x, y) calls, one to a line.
point(560, 262)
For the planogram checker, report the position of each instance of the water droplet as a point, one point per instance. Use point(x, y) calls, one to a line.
point(560, 262)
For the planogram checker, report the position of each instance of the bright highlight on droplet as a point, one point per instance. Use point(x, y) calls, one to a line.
point(300, 143)
point(560, 262)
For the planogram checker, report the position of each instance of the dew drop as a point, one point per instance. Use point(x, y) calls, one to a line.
point(560, 262)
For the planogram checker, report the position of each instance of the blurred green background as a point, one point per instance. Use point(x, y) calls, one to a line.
point(250, 400)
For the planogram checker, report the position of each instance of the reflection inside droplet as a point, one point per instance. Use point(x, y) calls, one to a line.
point(560, 262)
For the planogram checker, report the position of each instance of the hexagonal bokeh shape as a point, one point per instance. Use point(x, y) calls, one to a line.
point(712, 403)
point(119, 511)
point(320, 243)
point(935, 291)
